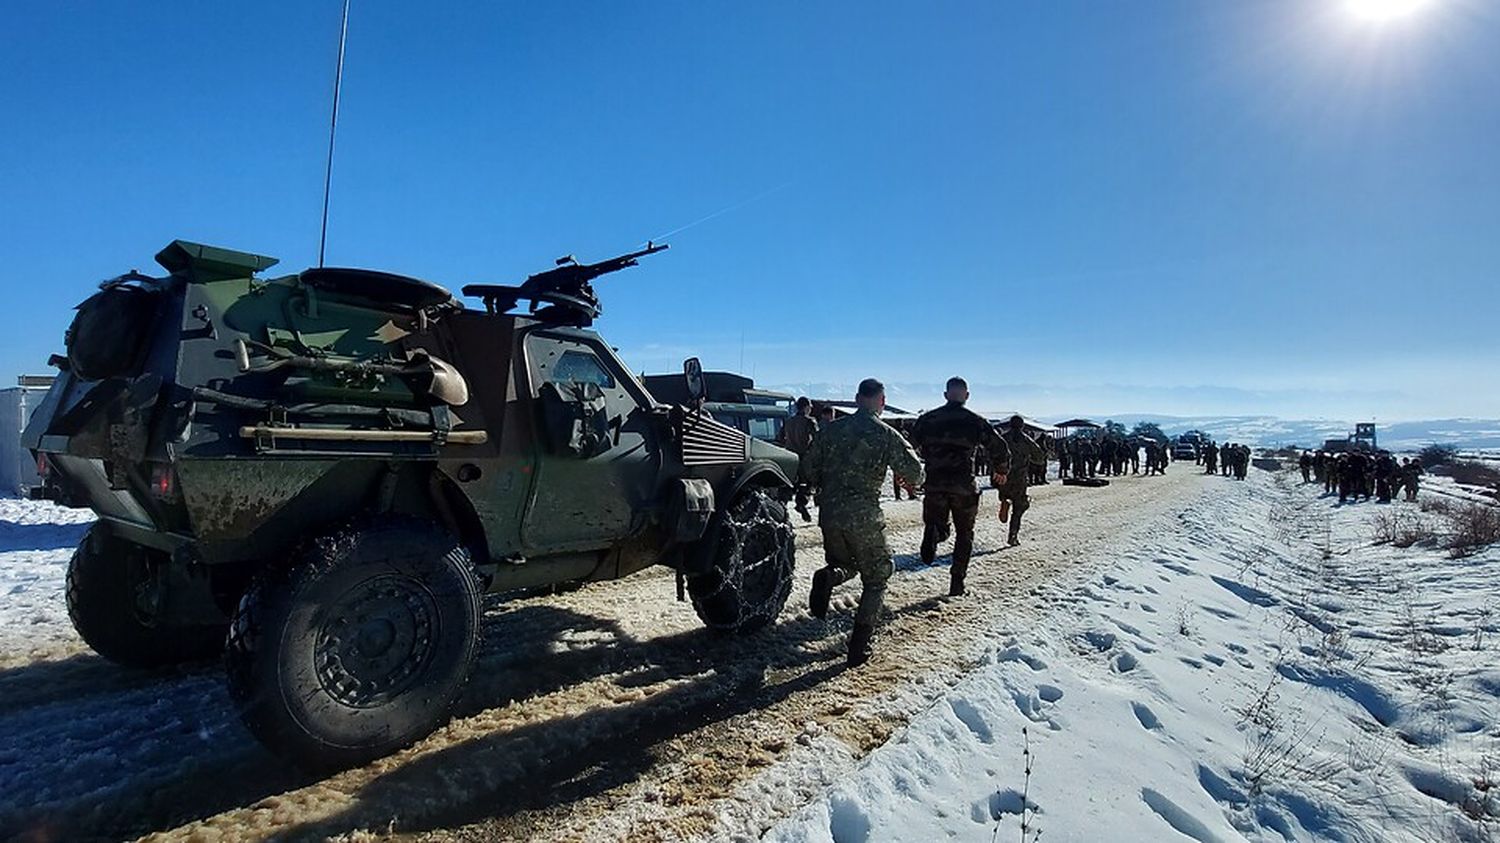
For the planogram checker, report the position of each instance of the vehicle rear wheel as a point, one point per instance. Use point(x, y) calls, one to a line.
point(113, 601)
point(357, 648)
point(751, 574)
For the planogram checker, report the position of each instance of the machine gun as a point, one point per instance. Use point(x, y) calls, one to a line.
point(561, 295)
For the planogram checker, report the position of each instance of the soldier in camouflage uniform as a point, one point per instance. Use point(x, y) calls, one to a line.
point(948, 439)
point(797, 434)
point(846, 465)
point(1022, 451)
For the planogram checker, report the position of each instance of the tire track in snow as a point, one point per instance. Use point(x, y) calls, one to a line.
point(605, 712)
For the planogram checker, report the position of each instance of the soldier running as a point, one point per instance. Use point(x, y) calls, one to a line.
point(948, 439)
point(1013, 487)
point(846, 465)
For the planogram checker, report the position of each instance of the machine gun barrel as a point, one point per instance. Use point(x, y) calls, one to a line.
point(562, 294)
point(570, 274)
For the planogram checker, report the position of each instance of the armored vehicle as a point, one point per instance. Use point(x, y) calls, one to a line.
point(321, 473)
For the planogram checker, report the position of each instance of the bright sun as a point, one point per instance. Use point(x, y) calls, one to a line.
point(1385, 10)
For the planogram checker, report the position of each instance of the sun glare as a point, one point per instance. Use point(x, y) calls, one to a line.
point(1385, 10)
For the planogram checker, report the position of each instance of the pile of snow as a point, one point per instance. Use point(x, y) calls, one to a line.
point(1265, 672)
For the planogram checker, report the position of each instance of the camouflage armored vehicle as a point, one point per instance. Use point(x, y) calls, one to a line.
point(321, 473)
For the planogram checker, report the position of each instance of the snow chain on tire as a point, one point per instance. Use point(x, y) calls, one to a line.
point(750, 577)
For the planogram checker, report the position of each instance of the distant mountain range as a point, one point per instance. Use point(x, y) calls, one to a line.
point(1259, 430)
point(1272, 431)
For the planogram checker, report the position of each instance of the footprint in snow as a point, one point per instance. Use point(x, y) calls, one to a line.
point(847, 821)
point(994, 807)
point(1099, 641)
point(1249, 594)
point(1125, 662)
point(1049, 693)
point(970, 717)
point(1015, 654)
point(1176, 817)
point(1146, 716)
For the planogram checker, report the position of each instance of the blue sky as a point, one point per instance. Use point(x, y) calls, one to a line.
point(1092, 207)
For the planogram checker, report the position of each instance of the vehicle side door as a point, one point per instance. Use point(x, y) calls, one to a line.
point(590, 496)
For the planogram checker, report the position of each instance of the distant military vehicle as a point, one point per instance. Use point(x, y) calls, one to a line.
point(1363, 439)
point(729, 398)
point(321, 473)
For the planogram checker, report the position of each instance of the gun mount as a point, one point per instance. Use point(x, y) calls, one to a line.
point(564, 294)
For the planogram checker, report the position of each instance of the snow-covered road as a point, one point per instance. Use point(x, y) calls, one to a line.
point(603, 712)
point(1189, 655)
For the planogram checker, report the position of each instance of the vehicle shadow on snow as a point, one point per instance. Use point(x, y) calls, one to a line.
point(40, 537)
point(556, 761)
point(79, 677)
point(530, 651)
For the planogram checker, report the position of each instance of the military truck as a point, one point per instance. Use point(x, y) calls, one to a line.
point(321, 473)
point(732, 399)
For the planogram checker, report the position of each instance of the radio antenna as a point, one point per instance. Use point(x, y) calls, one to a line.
point(333, 125)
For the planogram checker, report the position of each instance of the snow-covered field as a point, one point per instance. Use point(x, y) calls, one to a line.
point(1189, 657)
point(1264, 672)
point(36, 540)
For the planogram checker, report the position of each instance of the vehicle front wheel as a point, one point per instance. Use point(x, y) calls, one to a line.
point(358, 647)
point(114, 601)
point(750, 576)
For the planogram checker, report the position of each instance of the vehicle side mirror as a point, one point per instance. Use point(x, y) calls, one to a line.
point(692, 372)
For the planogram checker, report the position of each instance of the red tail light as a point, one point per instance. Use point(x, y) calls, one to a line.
point(163, 482)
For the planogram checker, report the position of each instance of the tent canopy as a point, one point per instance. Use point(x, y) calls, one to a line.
point(1078, 423)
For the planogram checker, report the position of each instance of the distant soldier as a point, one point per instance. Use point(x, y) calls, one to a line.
point(1351, 484)
point(1226, 460)
point(1064, 456)
point(1320, 467)
point(1413, 476)
point(797, 436)
point(1210, 458)
point(1039, 461)
point(1022, 451)
point(948, 438)
point(846, 465)
point(1385, 475)
point(1306, 462)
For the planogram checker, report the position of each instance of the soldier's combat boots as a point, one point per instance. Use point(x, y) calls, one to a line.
point(861, 644)
point(822, 591)
point(956, 579)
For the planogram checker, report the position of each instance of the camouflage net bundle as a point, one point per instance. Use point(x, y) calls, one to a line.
point(750, 577)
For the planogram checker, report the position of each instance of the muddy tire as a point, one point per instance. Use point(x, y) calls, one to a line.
point(359, 646)
point(112, 603)
point(750, 575)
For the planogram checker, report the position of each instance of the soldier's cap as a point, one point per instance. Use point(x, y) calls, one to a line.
point(1016, 421)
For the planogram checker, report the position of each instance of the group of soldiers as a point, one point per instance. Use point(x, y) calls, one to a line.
point(1357, 475)
point(845, 463)
point(1111, 456)
point(1229, 459)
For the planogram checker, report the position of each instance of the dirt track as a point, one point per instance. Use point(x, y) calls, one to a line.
point(602, 713)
